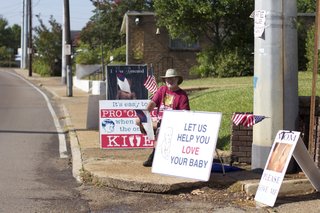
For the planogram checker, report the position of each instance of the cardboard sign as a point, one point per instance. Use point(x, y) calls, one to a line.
point(259, 22)
point(186, 144)
point(117, 124)
point(276, 166)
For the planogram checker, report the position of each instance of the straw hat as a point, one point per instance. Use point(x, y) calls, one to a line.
point(170, 73)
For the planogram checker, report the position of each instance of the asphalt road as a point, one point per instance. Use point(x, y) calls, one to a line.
point(33, 176)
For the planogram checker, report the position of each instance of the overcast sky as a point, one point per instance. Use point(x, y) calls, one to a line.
point(80, 11)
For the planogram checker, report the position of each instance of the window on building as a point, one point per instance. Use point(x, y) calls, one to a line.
point(179, 44)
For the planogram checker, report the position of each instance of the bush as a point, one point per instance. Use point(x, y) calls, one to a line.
point(225, 63)
point(119, 55)
point(41, 67)
point(87, 55)
point(9, 64)
point(310, 49)
point(232, 64)
point(205, 67)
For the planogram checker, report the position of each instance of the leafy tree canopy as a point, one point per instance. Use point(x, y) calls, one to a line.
point(225, 23)
point(306, 6)
point(47, 44)
point(9, 36)
point(104, 26)
point(219, 21)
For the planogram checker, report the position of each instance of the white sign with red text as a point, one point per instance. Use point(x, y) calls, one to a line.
point(117, 125)
point(186, 144)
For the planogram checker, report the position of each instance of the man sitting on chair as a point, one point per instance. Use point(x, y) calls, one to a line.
point(168, 97)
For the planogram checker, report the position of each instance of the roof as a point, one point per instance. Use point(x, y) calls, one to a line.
point(133, 13)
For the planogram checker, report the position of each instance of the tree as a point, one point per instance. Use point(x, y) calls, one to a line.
point(15, 37)
point(103, 29)
point(9, 42)
point(225, 23)
point(219, 21)
point(305, 34)
point(306, 6)
point(47, 45)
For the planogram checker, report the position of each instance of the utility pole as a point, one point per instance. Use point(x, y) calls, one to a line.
point(63, 58)
point(275, 74)
point(30, 49)
point(22, 36)
point(68, 48)
point(24, 47)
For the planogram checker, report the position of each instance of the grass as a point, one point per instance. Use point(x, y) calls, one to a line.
point(229, 95)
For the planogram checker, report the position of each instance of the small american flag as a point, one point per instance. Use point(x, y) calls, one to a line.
point(150, 83)
point(247, 120)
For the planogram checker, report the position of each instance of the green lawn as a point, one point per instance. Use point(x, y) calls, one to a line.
point(228, 95)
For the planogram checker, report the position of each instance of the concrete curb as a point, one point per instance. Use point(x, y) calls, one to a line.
point(146, 186)
point(77, 166)
point(288, 187)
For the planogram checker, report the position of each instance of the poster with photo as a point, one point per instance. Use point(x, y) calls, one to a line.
point(186, 144)
point(276, 166)
point(125, 82)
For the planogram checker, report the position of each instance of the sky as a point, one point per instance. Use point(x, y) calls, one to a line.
point(80, 11)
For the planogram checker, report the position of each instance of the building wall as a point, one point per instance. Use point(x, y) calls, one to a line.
point(147, 47)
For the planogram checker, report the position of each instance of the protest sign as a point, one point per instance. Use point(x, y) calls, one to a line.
point(259, 23)
point(276, 166)
point(117, 125)
point(126, 82)
point(186, 144)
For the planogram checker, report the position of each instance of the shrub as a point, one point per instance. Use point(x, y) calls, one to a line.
point(224, 63)
point(206, 66)
point(118, 54)
point(41, 67)
point(310, 49)
point(87, 55)
point(232, 64)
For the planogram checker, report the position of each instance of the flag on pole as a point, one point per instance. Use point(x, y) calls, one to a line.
point(247, 120)
point(150, 83)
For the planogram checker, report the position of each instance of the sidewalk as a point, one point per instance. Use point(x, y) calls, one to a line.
point(123, 169)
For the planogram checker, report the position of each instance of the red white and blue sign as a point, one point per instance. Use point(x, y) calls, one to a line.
point(117, 124)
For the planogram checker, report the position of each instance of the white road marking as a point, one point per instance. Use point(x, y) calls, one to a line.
point(62, 139)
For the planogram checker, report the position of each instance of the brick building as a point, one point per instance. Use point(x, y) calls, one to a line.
point(148, 44)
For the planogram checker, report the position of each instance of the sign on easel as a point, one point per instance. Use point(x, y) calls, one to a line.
point(186, 144)
point(286, 144)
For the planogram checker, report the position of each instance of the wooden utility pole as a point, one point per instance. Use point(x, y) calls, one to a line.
point(312, 146)
point(68, 48)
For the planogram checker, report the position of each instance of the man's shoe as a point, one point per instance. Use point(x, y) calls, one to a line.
point(148, 162)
